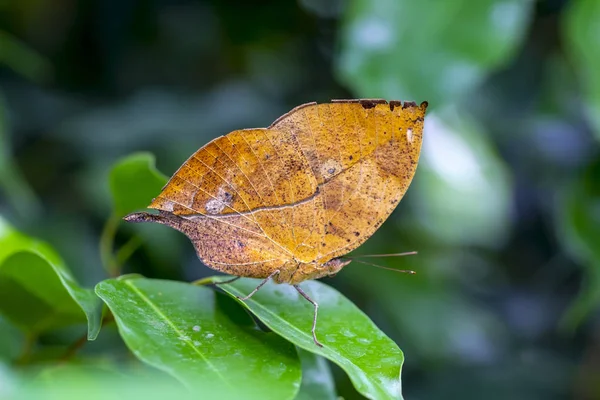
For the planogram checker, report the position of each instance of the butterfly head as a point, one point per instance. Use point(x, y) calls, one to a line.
point(306, 271)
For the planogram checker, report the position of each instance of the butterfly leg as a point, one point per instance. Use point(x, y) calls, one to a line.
point(316, 305)
point(228, 281)
point(267, 279)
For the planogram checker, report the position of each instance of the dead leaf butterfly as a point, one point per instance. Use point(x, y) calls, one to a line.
point(288, 201)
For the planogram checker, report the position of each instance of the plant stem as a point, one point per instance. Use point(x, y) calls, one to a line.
point(30, 340)
point(127, 250)
point(107, 240)
point(74, 348)
point(82, 340)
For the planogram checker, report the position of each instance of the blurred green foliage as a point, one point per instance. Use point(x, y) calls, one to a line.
point(42, 296)
point(582, 29)
point(133, 181)
point(503, 209)
point(428, 49)
point(579, 220)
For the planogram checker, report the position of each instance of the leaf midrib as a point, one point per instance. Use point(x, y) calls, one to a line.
point(176, 330)
point(302, 333)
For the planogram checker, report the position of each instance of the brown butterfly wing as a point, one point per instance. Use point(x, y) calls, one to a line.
point(364, 155)
point(246, 196)
point(312, 187)
point(229, 245)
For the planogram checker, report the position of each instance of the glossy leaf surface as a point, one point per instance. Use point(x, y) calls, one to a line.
point(350, 339)
point(202, 338)
point(37, 292)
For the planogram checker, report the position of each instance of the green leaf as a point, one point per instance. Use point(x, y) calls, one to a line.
point(350, 339)
point(94, 382)
point(582, 30)
point(37, 292)
point(578, 217)
point(427, 310)
point(202, 338)
point(317, 381)
point(11, 341)
point(133, 181)
point(427, 50)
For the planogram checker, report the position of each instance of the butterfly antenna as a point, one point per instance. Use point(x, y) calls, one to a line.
point(406, 271)
point(408, 253)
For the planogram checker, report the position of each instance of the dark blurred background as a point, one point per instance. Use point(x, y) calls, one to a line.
point(504, 209)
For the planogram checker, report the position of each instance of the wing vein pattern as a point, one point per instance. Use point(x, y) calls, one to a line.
point(312, 187)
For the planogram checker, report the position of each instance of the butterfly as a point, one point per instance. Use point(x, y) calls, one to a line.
point(287, 202)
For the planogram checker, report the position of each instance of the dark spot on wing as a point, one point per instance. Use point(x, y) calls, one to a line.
point(367, 104)
point(370, 103)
